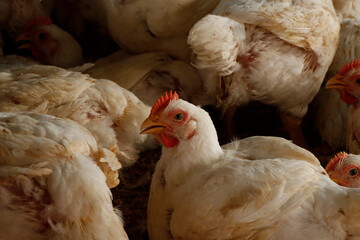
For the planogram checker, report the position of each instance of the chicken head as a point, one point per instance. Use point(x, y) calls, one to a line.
point(344, 169)
point(170, 124)
point(347, 82)
point(50, 44)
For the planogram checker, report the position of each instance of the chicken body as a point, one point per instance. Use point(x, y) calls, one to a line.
point(347, 9)
point(14, 61)
point(329, 112)
point(148, 75)
point(50, 184)
point(346, 83)
point(330, 117)
point(147, 26)
point(256, 188)
point(269, 51)
point(111, 113)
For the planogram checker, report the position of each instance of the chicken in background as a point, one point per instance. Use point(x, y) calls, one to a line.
point(158, 25)
point(328, 111)
point(328, 116)
point(50, 184)
point(348, 8)
point(111, 113)
point(273, 52)
point(347, 83)
point(255, 188)
point(148, 75)
point(344, 169)
point(15, 14)
point(50, 44)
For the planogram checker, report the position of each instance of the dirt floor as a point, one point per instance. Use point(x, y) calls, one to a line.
point(255, 119)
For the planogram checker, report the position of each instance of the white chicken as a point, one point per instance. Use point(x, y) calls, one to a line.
point(15, 14)
point(328, 111)
point(275, 52)
point(111, 113)
point(348, 8)
point(256, 188)
point(157, 25)
point(50, 44)
point(346, 82)
point(50, 184)
point(329, 115)
point(344, 169)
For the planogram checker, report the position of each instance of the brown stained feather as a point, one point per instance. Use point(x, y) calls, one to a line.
point(36, 206)
point(123, 2)
point(311, 61)
point(168, 220)
point(246, 59)
point(14, 100)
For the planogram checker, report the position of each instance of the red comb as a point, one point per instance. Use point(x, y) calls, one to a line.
point(38, 21)
point(163, 101)
point(341, 156)
point(349, 66)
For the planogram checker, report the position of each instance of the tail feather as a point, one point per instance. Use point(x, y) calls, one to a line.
point(215, 42)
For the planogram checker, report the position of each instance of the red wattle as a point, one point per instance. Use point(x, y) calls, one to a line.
point(348, 98)
point(168, 140)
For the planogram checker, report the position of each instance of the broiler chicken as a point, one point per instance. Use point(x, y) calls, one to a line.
point(347, 82)
point(15, 14)
point(344, 169)
point(328, 111)
point(111, 113)
point(157, 25)
point(275, 52)
point(348, 8)
point(50, 184)
point(255, 188)
point(50, 44)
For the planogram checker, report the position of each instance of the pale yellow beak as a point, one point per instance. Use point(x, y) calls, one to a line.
point(336, 82)
point(338, 181)
point(152, 126)
point(24, 37)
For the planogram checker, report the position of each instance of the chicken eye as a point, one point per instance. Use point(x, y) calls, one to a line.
point(353, 172)
point(358, 81)
point(179, 116)
point(42, 36)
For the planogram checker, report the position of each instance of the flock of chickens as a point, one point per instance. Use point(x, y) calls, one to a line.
point(88, 86)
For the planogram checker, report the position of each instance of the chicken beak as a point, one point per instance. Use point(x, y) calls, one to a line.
point(340, 182)
point(336, 82)
point(152, 126)
point(24, 37)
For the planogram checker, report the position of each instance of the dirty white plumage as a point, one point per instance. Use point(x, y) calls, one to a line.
point(275, 52)
point(255, 188)
point(147, 26)
point(110, 112)
point(51, 186)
